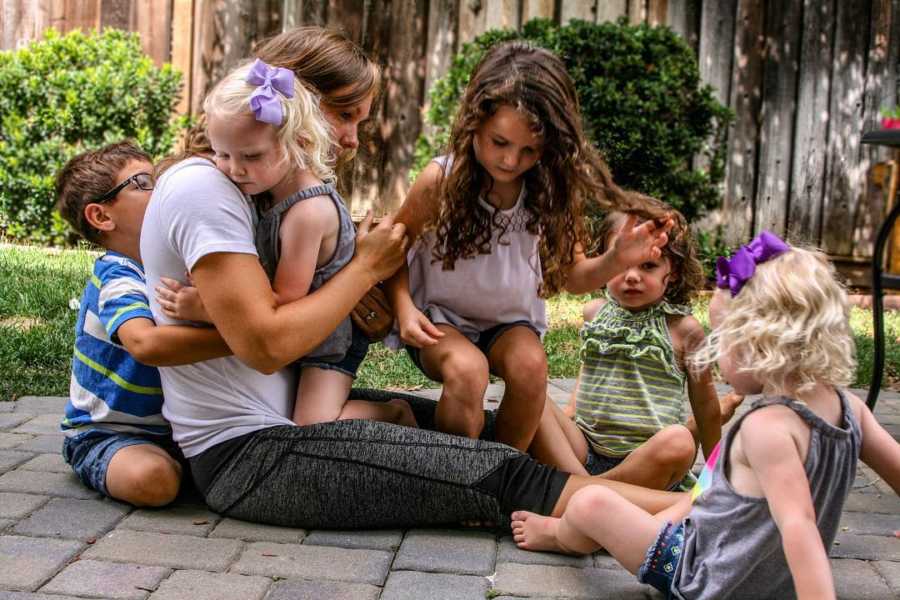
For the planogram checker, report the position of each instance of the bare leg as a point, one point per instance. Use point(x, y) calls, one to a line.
point(559, 442)
point(660, 462)
point(652, 501)
point(520, 359)
point(321, 395)
point(143, 475)
point(395, 411)
point(463, 369)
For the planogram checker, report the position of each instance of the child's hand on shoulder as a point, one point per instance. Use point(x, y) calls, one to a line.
point(636, 244)
point(179, 301)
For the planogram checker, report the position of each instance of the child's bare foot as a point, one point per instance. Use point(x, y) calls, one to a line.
point(534, 532)
point(728, 404)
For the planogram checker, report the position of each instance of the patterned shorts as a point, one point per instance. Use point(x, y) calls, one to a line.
point(658, 568)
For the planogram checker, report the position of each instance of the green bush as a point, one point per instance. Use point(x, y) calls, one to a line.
point(642, 100)
point(63, 95)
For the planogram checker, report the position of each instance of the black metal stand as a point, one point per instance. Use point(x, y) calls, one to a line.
point(880, 280)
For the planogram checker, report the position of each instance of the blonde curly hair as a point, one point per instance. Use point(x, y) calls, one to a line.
point(788, 327)
point(304, 135)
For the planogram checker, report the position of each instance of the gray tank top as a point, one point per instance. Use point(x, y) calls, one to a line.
point(268, 245)
point(732, 547)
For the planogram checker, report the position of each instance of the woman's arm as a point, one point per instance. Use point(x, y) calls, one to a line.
point(772, 453)
point(418, 210)
point(240, 301)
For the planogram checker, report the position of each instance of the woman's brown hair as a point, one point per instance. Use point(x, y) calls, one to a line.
point(569, 175)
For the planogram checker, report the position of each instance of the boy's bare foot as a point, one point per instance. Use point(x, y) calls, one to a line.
point(534, 532)
point(728, 404)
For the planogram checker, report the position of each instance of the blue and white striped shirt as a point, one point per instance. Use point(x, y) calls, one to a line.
point(109, 389)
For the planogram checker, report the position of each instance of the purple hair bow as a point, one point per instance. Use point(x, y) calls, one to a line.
point(734, 272)
point(264, 100)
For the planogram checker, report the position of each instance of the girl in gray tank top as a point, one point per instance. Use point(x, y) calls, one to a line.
point(766, 508)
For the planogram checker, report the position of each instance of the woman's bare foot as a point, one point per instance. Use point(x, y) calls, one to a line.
point(728, 404)
point(534, 532)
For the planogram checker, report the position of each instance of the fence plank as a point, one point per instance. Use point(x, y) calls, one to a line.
point(717, 22)
point(537, 9)
point(880, 91)
point(502, 14)
point(845, 183)
point(441, 45)
point(347, 16)
point(471, 21)
point(154, 24)
point(585, 10)
point(117, 14)
point(746, 86)
point(777, 115)
point(657, 11)
point(611, 10)
point(683, 16)
point(810, 163)
point(182, 48)
point(637, 11)
point(82, 14)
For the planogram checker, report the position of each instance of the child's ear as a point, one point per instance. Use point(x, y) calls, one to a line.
point(98, 217)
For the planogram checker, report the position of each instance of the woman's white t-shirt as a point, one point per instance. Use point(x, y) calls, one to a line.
point(194, 211)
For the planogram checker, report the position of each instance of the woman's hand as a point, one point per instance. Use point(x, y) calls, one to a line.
point(634, 245)
point(180, 301)
point(416, 329)
point(381, 249)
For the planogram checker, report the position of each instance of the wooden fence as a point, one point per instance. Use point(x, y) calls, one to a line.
point(804, 77)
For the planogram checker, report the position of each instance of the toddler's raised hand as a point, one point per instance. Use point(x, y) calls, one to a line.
point(637, 244)
point(416, 329)
point(180, 301)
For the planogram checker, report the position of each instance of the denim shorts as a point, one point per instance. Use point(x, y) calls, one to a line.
point(349, 364)
point(90, 453)
point(486, 340)
point(658, 568)
point(597, 463)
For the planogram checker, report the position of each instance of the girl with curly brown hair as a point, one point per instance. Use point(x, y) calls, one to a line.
point(499, 226)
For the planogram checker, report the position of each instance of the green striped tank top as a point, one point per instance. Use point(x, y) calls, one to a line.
point(631, 386)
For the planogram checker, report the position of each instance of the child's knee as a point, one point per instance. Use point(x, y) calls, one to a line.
point(152, 480)
point(467, 371)
point(676, 446)
point(588, 502)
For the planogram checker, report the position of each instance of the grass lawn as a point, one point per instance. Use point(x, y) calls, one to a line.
point(39, 287)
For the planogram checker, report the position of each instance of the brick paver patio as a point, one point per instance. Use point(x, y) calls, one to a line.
point(59, 540)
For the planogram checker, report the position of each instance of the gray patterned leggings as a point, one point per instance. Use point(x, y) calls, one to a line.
point(367, 474)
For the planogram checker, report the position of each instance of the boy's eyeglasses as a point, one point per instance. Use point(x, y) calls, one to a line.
point(142, 181)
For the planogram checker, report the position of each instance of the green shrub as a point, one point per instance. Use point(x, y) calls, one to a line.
point(641, 97)
point(63, 95)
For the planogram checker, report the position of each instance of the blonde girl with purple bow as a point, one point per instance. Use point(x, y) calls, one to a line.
point(762, 524)
point(270, 138)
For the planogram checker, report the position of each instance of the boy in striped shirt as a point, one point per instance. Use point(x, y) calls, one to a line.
point(117, 441)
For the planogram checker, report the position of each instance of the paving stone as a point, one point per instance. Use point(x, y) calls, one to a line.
point(6, 524)
point(16, 506)
point(200, 585)
point(447, 551)
point(12, 440)
point(30, 596)
point(375, 540)
point(106, 579)
point(73, 518)
point(876, 503)
point(51, 484)
point(254, 532)
point(865, 547)
point(858, 580)
point(413, 585)
point(6, 406)
point(42, 443)
point(39, 425)
point(41, 405)
point(293, 561)
point(185, 520)
point(52, 463)
point(555, 582)
point(25, 563)
point(10, 459)
point(869, 524)
point(165, 550)
point(319, 590)
point(10, 420)
point(890, 571)
point(511, 553)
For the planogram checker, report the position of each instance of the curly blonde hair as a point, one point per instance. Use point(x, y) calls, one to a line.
point(681, 250)
point(788, 327)
point(569, 174)
point(304, 134)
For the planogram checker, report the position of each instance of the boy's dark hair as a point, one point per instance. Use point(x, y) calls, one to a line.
point(89, 175)
point(681, 250)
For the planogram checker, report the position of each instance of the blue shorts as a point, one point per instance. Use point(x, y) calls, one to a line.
point(658, 568)
point(90, 453)
point(486, 340)
point(597, 463)
point(349, 364)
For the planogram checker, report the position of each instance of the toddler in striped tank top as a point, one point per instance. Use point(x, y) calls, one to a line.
point(633, 385)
